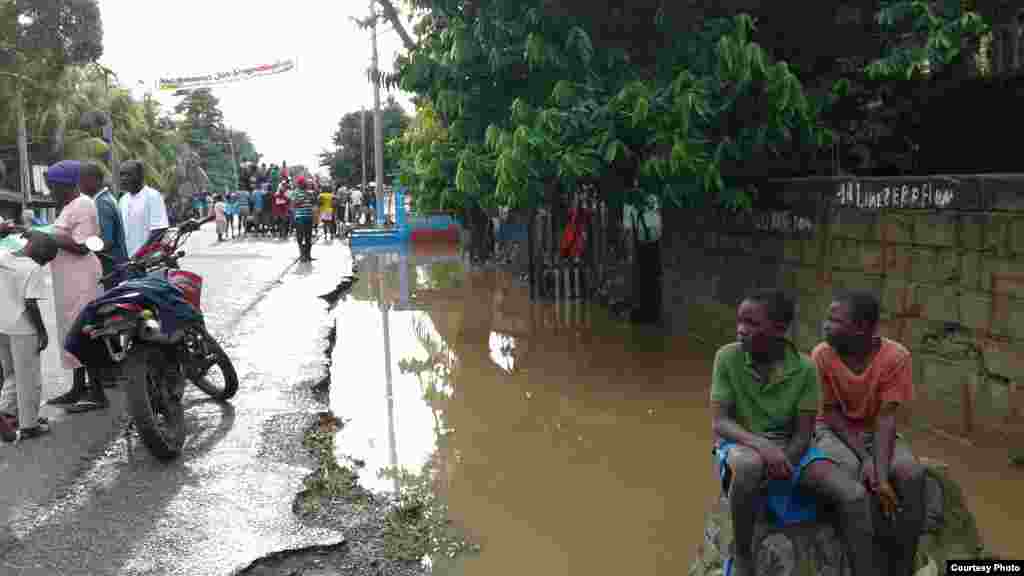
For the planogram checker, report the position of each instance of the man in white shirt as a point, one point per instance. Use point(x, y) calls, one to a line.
point(143, 211)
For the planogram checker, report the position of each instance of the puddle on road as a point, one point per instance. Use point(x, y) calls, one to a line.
point(559, 440)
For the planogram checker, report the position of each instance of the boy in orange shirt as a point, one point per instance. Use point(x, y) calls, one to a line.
point(865, 381)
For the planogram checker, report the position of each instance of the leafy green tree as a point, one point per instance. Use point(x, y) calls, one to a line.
point(141, 130)
point(200, 109)
point(928, 35)
point(527, 109)
point(202, 126)
point(245, 150)
point(345, 161)
point(39, 40)
point(428, 158)
point(527, 102)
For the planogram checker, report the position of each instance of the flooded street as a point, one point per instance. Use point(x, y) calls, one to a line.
point(556, 439)
point(561, 440)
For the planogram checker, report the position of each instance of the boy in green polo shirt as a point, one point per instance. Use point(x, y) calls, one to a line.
point(764, 399)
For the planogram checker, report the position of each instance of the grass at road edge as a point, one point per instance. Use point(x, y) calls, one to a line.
point(415, 523)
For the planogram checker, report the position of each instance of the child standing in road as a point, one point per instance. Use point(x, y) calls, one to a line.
point(231, 210)
point(280, 211)
point(23, 336)
point(326, 202)
point(221, 217)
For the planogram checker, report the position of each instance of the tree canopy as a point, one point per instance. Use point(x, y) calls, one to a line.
point(568, 112)
point(650, 99)
point(39, 40)
point(48, 54)
point(202, 127)
point(345, 159)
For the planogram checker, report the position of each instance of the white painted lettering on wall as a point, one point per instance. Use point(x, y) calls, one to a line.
point(909, 196)
point(782, 221)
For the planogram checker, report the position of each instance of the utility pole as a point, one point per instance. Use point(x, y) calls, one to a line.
point(115, 173)
point(378, 129)
point(362, 133)
point(234, 162)
point(23, 164)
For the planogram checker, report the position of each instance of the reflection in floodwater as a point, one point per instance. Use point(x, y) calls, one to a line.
point(503, 349)
point(559, 440)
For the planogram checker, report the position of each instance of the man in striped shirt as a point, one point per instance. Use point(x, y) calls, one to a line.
point(302, 203)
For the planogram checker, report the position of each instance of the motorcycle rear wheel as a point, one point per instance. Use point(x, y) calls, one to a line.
point(215, 357)
point(158, 415)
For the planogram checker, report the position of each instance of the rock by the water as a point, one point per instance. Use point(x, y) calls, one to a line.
point(814, 547)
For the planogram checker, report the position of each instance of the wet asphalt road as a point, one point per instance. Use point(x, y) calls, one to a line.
point(228, 499)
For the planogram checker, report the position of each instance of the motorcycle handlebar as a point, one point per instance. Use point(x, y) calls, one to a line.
point(188, 227)
point(169, 257)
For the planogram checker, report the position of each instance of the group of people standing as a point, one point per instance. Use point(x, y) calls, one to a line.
point(87, 208)
point(302, 206)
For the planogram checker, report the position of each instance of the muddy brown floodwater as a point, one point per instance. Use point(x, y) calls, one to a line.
point(561, 441)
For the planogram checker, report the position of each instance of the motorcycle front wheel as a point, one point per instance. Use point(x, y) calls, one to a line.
point(209, 354)
point(158, 413)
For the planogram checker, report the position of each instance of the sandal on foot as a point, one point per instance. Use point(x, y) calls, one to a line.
point(66, 398)
point(42, 424)
point(86, 405)
point(33, 432)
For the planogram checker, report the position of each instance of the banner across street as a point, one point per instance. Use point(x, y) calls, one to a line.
point(174, 84)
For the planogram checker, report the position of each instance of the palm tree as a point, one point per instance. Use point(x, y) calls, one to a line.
point(85, 103)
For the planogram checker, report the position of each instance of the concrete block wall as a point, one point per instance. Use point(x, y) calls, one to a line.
point(948, 269)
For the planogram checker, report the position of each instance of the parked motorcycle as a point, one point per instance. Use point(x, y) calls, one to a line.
point(149, 331)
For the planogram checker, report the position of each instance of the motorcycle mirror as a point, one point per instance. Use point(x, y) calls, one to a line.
point(94, 243)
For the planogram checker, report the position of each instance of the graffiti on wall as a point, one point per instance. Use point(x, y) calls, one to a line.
point(880, 195)
point(782, 221)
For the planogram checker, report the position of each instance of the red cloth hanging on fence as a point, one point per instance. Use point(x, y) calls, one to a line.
point(574, 239)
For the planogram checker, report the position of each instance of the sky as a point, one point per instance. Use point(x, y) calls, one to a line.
point(289, 117)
